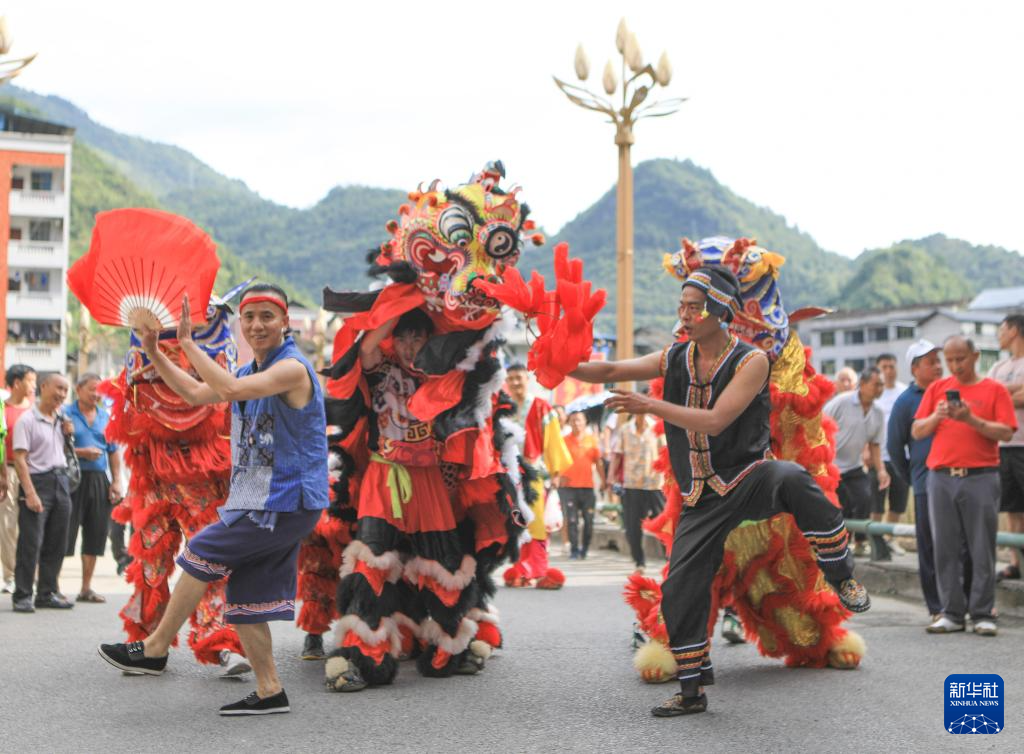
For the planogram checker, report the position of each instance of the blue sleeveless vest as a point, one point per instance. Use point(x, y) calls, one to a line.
point(278, 453)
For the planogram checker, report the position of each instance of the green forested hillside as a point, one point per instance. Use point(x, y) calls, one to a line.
point(96, 186)
point(326, 244)
point(673, 199)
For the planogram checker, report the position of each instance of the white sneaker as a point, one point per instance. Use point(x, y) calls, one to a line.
point(985, 627)
point(8, 587)
point(944, 626)
point(233, 664)
point(895, 547)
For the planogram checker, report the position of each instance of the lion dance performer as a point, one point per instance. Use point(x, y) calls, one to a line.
point(543, 446)
point(424, 433)
point(741, 526)
point(140, 262)
point(180, 461)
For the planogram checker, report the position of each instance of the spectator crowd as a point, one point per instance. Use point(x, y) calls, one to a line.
point(955, 442)
point(61, 481)
point(958, 443)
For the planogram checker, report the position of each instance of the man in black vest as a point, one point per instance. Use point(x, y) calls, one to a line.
point(716, 411)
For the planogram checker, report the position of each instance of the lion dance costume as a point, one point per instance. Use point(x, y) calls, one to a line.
point(180, 463)
point(428, 456)
point(769, 574)
point(542, 443)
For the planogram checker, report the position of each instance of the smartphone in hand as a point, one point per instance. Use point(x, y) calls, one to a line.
point(953, 397)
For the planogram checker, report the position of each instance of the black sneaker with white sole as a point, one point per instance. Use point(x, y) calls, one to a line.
point(131, 658)
point(253, 705)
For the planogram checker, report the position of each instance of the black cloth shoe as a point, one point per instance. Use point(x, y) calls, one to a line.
point(54, 601)
point(24, 605)
point(131, 658)
point(313, 647)
point(853, 595)
point(681, 705)
point(253, 705)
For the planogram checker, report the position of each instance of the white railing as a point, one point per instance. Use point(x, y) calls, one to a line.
point(32, 305)
point(41, 357)
point(40, 203)
point(37, 254)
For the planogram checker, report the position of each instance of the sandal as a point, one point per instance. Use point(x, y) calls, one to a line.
point(90, 596)
point(1010, 573)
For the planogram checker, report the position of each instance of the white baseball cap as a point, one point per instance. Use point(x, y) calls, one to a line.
point(919, 348)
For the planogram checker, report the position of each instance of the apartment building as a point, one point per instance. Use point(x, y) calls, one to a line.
point(857, 338)
point(35, 190)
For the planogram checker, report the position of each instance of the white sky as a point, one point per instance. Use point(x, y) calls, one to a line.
point(864, 123)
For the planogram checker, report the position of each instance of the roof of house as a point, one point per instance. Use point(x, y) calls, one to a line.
point(12, 121)
point(999, 298)
point(968, 316)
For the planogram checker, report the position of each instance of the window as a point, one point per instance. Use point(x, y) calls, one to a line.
point(37, 281)
point(986, 328)
point(856, 365)
point(904, 332)
point(967, 328)
point(853, 337)
point(988, 358)
point(39, 230)
point(17, 183)
point(15, 234)
point(827, 337)
point(42, 180)
point(878, 334)
point(828, 367)
point(46, 332)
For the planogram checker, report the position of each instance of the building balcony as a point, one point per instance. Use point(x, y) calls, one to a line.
point(37, 255)
point(30, 305)
point(38, 204)
point(42, 357)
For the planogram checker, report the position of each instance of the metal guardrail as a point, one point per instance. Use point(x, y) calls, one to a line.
point(880, 549)
point(1003, 538)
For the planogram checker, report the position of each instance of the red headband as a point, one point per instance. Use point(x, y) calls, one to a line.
point(264, 298)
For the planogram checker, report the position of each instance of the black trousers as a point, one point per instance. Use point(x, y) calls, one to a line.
point(897, 493)
point(90, 512)
point(42, 537)
point(636, 506)
point(699, 546)
point(579, 503)
point(117, 546)
point(855, 496)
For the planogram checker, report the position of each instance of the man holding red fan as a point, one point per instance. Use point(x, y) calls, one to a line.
point(278, 489)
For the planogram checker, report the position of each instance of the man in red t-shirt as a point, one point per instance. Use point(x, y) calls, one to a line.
point(968, 416)
point(576, 489)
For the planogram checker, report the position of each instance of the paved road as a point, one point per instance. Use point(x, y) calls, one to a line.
point(563, 683)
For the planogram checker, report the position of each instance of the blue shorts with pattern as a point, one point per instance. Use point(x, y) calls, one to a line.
point(260, 564)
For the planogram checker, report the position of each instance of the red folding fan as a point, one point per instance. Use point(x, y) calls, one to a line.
point(140, 264)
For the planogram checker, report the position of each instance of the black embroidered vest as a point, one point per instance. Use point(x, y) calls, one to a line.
point(718, 462)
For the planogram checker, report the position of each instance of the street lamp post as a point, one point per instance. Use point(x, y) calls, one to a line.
point(636, 86)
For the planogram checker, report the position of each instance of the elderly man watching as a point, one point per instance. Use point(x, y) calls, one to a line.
point(44, 507)
point(968, 416)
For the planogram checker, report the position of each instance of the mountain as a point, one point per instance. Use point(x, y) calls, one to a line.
point(673, 199)
point(326, 243)
point(97, 186)
point(896, 276)
point(307, 249)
